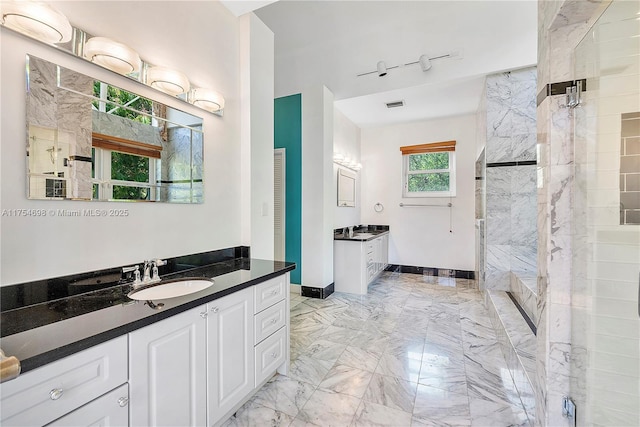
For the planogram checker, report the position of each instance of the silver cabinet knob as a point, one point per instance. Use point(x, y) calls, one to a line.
point(274, 292)
point(274, 320)
point(215, 309)
point(204, 314)
point(56, 393)
point(123, 401)
point(274, 354)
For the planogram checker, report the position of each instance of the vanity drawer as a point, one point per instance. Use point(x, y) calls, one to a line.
point(268, 321)
point(269, 292)
point(47, 393)
point(270, 354)
point(110, 410)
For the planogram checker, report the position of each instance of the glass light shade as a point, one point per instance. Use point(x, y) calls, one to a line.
point(36, 20)
point(167, 80)
point(112, 55)
point(207, 99)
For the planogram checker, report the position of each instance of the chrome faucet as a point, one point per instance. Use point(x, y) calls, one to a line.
point(150, 272)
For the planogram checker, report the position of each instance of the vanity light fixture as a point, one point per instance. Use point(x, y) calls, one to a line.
point(207, 99)
point(113, 55)
point(168, 80)
point(36, 20)
point(46, 24)
point(345, 161)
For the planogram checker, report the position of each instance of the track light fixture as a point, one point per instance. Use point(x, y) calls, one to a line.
point(382, 69)
point(424, 61)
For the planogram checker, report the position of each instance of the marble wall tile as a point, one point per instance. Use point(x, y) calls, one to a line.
point(41, 101)
point(523, 220)
point(560, 199)
point(561, 143)
point(523, 146)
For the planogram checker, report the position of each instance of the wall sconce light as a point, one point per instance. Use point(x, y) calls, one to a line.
point(345, 161)
point(167, 80)
point(112, 55)
point(207, 99)
point(36, 20)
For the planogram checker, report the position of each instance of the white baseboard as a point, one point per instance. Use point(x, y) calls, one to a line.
point(295, 289)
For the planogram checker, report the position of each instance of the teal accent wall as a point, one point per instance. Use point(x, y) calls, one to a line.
point(288, 135)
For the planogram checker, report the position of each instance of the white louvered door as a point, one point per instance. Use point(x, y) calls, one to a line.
point(279, 166)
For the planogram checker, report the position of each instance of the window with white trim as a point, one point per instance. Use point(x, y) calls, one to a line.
point(429, 170)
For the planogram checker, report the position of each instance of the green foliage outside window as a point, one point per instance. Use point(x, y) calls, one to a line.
point(429, 182)
point(118, 97)
point(432, 180)
point(128, 167)
point(428, 161)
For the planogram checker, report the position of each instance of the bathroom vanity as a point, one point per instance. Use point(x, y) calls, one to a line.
point(189, 360)
point(359, 257)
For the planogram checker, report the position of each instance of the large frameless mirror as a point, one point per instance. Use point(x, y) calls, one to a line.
point(90, 140)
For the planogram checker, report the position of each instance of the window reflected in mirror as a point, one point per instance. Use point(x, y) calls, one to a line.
point(90, 140)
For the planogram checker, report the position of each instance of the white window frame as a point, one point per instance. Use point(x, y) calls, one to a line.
point(406, 173)
point(105, 183)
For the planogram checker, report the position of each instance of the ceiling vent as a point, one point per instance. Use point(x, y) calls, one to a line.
point(395, 104)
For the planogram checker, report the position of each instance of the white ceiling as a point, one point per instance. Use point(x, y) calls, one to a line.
point(330, 42)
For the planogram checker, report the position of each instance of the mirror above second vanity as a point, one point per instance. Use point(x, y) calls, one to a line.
point(90, 140)
point(346, 188)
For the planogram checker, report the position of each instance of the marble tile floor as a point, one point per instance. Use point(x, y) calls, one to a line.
point(415, 351)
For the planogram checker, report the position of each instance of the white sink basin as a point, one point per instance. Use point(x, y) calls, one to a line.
point(363, 235)
point(164, 290)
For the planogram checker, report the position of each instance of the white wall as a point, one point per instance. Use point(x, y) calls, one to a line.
point(257, 133)
point(317, 186)
point(420, 236)
point(346, 141)
point(35, 248)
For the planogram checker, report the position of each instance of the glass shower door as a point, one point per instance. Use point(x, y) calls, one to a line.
point(605, 363)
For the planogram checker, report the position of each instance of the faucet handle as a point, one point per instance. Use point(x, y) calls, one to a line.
point(136, 273)
point(154, 269)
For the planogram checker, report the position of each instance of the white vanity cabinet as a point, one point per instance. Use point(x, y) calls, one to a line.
point(167, 378)
point(271, 327)
point(194, 368)
point(229, 352)
point(63, 387)
point(358, 263)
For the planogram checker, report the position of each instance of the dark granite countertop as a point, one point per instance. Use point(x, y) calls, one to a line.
point(44, 330)
point(361, 233)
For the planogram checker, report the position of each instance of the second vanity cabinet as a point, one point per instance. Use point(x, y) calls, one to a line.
point(357, 263)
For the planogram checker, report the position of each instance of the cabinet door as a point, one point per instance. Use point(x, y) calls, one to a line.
point(230, 352)
point(167, 363)
point(109, 410)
